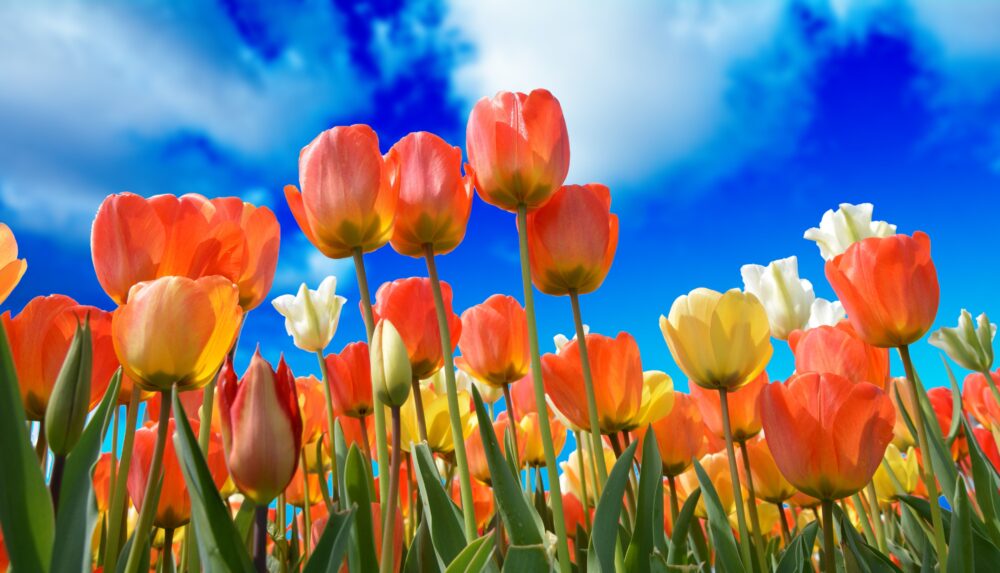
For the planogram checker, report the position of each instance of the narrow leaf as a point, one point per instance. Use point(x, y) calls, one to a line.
point(727, 553)
point(356, 493)
point(442, 520)
point(328, 556)
point(604, 535)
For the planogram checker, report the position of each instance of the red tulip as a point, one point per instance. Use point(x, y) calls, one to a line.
point(350, 378)
point(744, 411)
point(494, 342)
point(987, 442)
point(434, 198)
point(941, 402)
point(680, 435)
point(888, 287)
point(312, 408)
point(838, 349)
point(572, 240)
point(518, 147)
point(826, 433)
point(977, 397)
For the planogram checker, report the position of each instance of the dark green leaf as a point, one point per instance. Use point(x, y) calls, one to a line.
point(356, 493)
point(727, 552)
point(328, 555)
point(798, 556)
point(420, 555)
point(986, 553)
point(604, 534)
point(473, 558)
point(443, 520)
point(521, 558)
point(864, 557)
point(984, 478)
point(960, 553)
point(678, 538)
point(650, 491)
point(143, 560)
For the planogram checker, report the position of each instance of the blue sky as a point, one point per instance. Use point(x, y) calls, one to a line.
point(724, 129)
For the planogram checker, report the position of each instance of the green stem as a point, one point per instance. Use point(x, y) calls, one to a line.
point(167, 552)
point(152, 497)
point(329, 434)
point(55, 480)
point(674, 505)
point(786, 534)
point(116, 507)
point(389, 503)
point(306, 511)
point(876, 515)
point(928, 464)
point(418, 408)
point(585, 502)
point(758, 535)
point(734, 475)
point(588, 382)
point(863, 518)
point(829, 557)
point(457, 435)
point(512, 417)
point(558, 518)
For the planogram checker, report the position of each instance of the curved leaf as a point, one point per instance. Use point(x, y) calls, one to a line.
point(443, 522)
point(727, 553)
point(798, 556)
point(984, 477)
point(328, 555)
point(473, 558)
point(355, 476)
point(961, 556)
point(862, 556)
point(647, 531)
point(604, 534)
point(678, 538)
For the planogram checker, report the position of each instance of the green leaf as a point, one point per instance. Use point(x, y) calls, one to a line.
point(443, 521)
point(678, 538)
point(244, 522)
point(986, 553)
point(798, 556)
point(604, 534)
point(473, 558)
point(77, 509)
point(521, 558)
point(356, 493)
point(956, 403)
point(219, 544)
point(328, 556)
point(727, 553)
point(25, 504)
point(420, 555)
point(984, 477)
point(143, 556)
point(650, 491)
point(944, 466)
point(961, 557)
point(864, 557)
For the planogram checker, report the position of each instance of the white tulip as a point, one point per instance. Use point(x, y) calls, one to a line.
point(847, 225)
point(825, 313)
point(311, 316)
point(786, 298)
point(560, 340)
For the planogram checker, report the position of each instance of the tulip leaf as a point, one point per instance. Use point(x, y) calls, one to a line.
point(143, 556)
point(944, 466)
point(244, 522)
point(678, 538)
point(420, 555)
point(727, 552)
point(986, 553)
point(798, 556)
point(77, 509)
point(604, 535)
point(356, 493)
point(956, 404)
point(219, 545)
point(473, 558)
point(522, 558)
point(443, 520)
point(961, 557)
point(862, 556)
point(984, 478)
point(647, 532)
point(328, 555)
point(25, 504)
point(519, 518)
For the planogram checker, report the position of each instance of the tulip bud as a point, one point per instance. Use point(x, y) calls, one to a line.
point(786, 298)
point(312, 316)
point(70, 402)
point(970, 346)
point(391, 371)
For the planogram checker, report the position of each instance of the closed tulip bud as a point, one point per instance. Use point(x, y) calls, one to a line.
point(390, 365)
point(849, 224)
point(718, 340)
point(744, 411)
point(494, 341)
point(261, 427)
point(786, 298)
point(349, 375)
point(825, 313)
point(839, 349)
point(680, 435)
point(409, 304)
point(70, 402)
point(11, 268)
point(904, 476)
point(970, 346)
point(312, 316)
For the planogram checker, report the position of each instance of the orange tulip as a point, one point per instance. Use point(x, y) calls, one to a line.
point(11, 268)
point(572, 240)
point(40, 336)
point(941, 402)
point(744, 411)
point(474, 449)
point(826, 433)
point(348, 200)
point(295, 493)
point(987, 442)
point(888, 287)
point(838, 349)
point(717, 468)
point(350, 378)
point(409, 305)
point(261, 427)
point(312, 400)
point(482, 501)
point(174, 507)
point(355, 433)
point(617, 373)
point(977, 397)
point(262, 236)
point(494, 342)
point(573, 514)
point(434, 198)
point(680, 435)
point(518, 147)
point(768, 482)
point(101, 481)
point(176, 331)
point(522, 394)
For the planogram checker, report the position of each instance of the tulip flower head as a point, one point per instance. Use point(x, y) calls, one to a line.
point(570, 478)
point(474, 448)
point(350, 380)
point(977, 398)
point(849, 224)
point(518, 147)
point(11, 268)
point(839, 349)
point(439, 437)
point(391, 371)
point(825, 313)
point(312, 316)
point(768, 482)
point(896, 475)
point(494, 343)
point(716, 466)
point(657, 398)
point(787, 299)
point(680, 435)
point(261, 427)
point(720, 341)
point(987, 442)
point(970, 346)
point(744, 411)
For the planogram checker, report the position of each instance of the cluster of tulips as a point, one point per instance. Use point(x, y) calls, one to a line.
point(402, 456)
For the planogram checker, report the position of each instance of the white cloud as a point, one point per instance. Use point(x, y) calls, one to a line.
point(300, 262)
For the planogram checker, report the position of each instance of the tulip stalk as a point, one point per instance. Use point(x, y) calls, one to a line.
point(306, 509)
point(513, 424)
point(829, 559)
point(876, 515)
point(758, 535)
point(585, 501)
point(55, 480)
point(588, 381)
point(329, 421)
point(457, 436)
point(167, 552)
point(863, 517)
point(389, 503)
point(786, 535)
point(260, 539)
point(116, 509)
point(735, 476)
point(674, 505)
point(418, 407)
point(558, 518)
point(927, 460)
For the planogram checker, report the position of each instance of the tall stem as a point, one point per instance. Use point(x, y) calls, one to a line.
point(758, 535)
point(55, 481)
point(674, 505)
point(457, 436)
point(167, 552)
point(927, 460)
point(876, 514)
point(418, 407)
point(536, 376)
point(829, 556)
point(366, 447)
point(786, 535)
point(585, 502)
point(42, 446)
point(386, 565)
point(330, 427)
point(734, 475)
point(588, 383)
point(116, 509)
point(260, 539)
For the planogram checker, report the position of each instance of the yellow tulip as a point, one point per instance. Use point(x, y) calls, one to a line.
point(437, 418)
point(657, 398)
point(904, 478)
point(571, 481)
point(718, 340)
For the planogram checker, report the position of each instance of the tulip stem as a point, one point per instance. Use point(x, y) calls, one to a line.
point(42, 446)
point(863, 518)
point(585, 501)
point(512, 424)
point(113, 466)
point(734, 474)
point(786, 535)
point(927, 459)
point(558, 518)
point(306, 509)
point(876, 515)
point(55, 481)
point(757, 534)
point(116, 508)
point(167, 553)
point(381, 443)
point(260, 539)
point(588, 382)
point(330, 428)
point(366, 447)
point(829, 560)
point(418, 407)
point(389, 503)
point(151, 498)
point(674, 505)
point(457, 435)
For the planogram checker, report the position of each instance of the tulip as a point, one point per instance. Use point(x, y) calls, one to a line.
point(561, 340)
point(350, 380)
point(261, 427)
point(518, 147)
point(849, 224)
point(482, 503)
point(176, 331)
point(787, 299)
point(744, 412)
point(494, 343)
point(941, 403)
point(530, 439)
point(260, 228)
point(572, 240)
point(478, 466)
point(309, 391)
point(657, 398)
point(577, 517)
point(299, 492)
point(721, 341)
point(826, 433)
point(348, 200)
point(571, 478)
point(970, 346)
point(838, 349)
point(987, 442)
point(11, 268)
point(437, 418)
point(312, 316)
point(825, 313)
point(391, 370)
point(67, 410)
point(680, 435)
point(716, 466)
point(977, 398)
point(904, 476)
point(434, 198)
point(101, 482)
point(618, 382)
point(770, 485)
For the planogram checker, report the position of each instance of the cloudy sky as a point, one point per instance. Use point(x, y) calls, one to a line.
point(724, 129)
